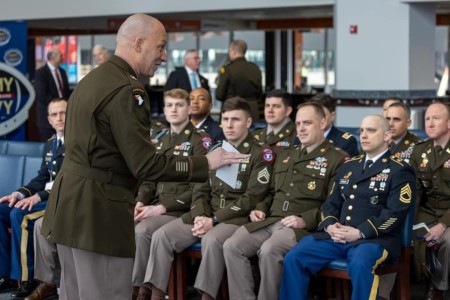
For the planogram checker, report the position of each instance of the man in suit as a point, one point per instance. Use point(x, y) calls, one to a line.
point(431, 160)
point(50, 82)
point(217, 209)
point(107, 151)
point(280, 130)
point(240, 78)
point(402, 142)
point(201, 106)
point(161, 202)
point(22, 208)
point(187, 77)
point(302, 180)
point(337, 137)
point(361, 221)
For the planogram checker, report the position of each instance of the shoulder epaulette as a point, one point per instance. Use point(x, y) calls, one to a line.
point(347, 135)
point(161, 133)
point(355, 158)
point(51, 138)
point(397, 160)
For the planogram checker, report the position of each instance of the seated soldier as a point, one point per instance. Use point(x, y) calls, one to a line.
point(22, 208)
point(280, 130)
point(371, 197)
point(302, 180)
point(217, 209)
point(162, 202)
point(201, 106)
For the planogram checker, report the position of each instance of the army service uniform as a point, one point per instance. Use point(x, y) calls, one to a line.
point(90, 213)
point(432, 203)
point(213, 129)
point(285, 138)
point(229, 206)
point(343, 140)
point(175, 196)
point(16, 249)
point(241, 78)
point(300, 185)
point(375, 201)
point(404, 148)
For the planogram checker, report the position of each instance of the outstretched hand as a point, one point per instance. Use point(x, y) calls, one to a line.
point(219, 158)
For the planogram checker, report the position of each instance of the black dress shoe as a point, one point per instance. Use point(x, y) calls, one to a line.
point(6, 284)
point(25, 289)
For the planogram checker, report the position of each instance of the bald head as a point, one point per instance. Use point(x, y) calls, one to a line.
point(141, 42)
point(374, 135)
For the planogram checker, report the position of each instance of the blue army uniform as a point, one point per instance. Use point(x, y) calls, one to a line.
point(375, 201)
point(16, 250)
point(213, 129)
point(343, 140)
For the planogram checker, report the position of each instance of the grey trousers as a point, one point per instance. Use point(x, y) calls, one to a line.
point(88, 275)
point(271, 244)
point(46, 256)
point(143, 233)
point(176, 236)
point(444, 259)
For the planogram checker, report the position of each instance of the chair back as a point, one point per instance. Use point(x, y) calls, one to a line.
point(25, 148)
point(12, 168)
point(31, 168)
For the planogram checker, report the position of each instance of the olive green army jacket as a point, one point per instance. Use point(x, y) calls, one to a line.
point(175, 196)
point(301, 184)
point(108, 148)
point(285, 138)
point(233, 205)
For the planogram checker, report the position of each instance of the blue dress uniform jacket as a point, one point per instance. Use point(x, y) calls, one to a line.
point(16, 249)
point(343, 140)
point(175, 196)
point(375, 201)
point(233, 205)
point(213, 129)
point(285, 138)
point(107, 149)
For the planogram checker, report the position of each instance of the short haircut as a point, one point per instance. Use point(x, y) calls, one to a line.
point(178, 94)
point(189, 52)
point(446, 105)
point(396, 99)
point(51, 53)
point(236, 103)
point(208, 95)
point(55, 100)
point(285, 96)
point(239, 46)
point(325, 100)
point(100, 47)
point(317, 108)
point(405, 108)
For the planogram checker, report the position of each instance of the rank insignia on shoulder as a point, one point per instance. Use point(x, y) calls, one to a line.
point(222, 70)
point(346, 135)
point(138, 95)
point(206, 142)
point(268, 155)
point(134, 77)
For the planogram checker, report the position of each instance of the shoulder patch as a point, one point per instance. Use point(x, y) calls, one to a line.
point(268, 155)
point(347, 135)
point(138, 95)
point(206, 142)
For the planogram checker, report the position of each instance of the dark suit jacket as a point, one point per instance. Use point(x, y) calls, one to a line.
point(180, 79)
point(46, 90)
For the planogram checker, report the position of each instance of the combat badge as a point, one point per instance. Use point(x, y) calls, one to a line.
point(138, 95)
point(264, 176)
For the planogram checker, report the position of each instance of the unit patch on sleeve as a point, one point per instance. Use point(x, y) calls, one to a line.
point(138, 95)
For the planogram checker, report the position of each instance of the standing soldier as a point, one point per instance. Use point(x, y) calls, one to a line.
point(217, 209)
point(162, 202)
point(280, 130)
point(302, 180)
point(240, 78)
point(431, 160)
